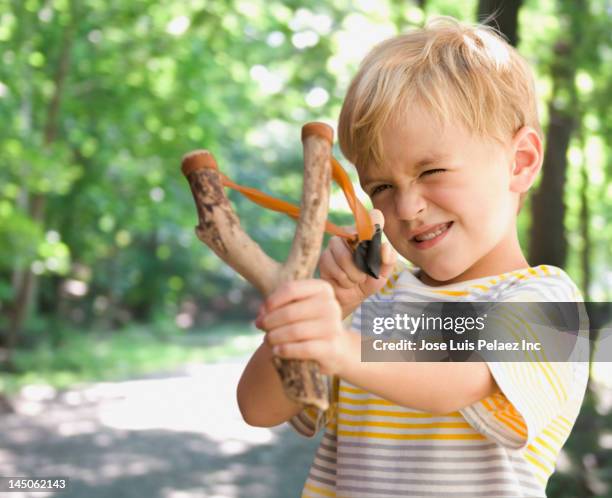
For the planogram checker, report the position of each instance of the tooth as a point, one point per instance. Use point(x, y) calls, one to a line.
point(431, 235)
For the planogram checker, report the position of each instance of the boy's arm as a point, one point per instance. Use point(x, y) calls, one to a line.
point(303, 320)
point(260, 394)
point(261, 398)
point(436, 388)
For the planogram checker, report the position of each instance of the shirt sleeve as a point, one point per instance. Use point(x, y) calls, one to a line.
point(533, 391)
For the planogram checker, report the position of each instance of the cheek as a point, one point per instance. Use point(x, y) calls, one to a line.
point(385, 204)
point(450, 198)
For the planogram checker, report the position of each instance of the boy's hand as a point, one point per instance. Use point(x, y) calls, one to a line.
point(351, 285)
point(303, 321)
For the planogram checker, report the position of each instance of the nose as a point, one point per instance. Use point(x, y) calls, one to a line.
point(409, 203)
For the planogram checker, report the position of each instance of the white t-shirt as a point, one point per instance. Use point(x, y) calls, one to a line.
point(504, 445)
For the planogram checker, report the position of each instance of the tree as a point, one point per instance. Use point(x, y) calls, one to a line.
point(501, 14)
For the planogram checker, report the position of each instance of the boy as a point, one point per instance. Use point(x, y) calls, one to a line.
point(441, 124)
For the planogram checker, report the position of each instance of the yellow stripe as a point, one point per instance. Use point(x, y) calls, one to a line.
point(560, 383)
point(516, 417)
point(550, 461)
point(543, 480)
point(351, 401)
point(321, 491)
point(545, 365)
point(542, 365)
point(510, 425)
point(561, 418)
point(403, 425)
point(554, 434)
point(506, 321)
point(310, 412)
point(452, 293)
point(543, 443)
point(380, 435)
point(561, 396)
point(383, 413)
point(483, 287)
point(562, 429)
point(537, 463)
point(499, 400)
point(487, 405)
point(545, 269)
point(493, 281)
point(353, 390)
point(532, 271)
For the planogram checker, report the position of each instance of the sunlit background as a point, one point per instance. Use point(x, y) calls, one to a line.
point(122, 337)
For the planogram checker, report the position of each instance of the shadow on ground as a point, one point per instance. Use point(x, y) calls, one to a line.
point(174, 437)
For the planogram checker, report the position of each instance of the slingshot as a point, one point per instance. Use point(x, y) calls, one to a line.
point(220, 229)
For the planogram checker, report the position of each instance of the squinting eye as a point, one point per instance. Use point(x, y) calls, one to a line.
point(432, 172)
point(379, 189)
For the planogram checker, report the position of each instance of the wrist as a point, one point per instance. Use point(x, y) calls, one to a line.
point(350, 352)
point(347, 309)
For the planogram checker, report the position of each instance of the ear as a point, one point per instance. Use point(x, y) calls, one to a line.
point(528, 157)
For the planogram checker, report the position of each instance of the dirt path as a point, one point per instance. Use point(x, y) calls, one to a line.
point(173, 436)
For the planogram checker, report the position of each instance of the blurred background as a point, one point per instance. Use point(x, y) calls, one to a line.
point(121, 336)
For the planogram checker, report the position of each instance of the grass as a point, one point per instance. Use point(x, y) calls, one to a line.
point(131, 352)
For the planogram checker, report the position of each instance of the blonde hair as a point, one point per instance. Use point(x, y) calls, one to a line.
point(459, 72)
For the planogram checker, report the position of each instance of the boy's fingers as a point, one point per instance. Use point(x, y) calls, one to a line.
point(388, 254)
point(389, 258)
point(285, 334)
point(295, 332)
point(343, 258)
point(300, 350)
point(328, 269)
point(291, 313)
point(377, 218)
point(331, 271)
point(296, 290)
point(388, 263)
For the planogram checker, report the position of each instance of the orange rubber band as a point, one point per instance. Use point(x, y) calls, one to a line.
point(363, 223)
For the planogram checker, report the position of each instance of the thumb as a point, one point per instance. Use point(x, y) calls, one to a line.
point(377, 218)
point(389, 258)
point(388, 255)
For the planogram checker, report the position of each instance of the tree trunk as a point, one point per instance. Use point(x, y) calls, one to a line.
point(585, 219)
point(548, 244)
point(26, 280)
point(501, 14)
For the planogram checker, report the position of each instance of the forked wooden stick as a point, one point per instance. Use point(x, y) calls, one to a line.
point(220, 229)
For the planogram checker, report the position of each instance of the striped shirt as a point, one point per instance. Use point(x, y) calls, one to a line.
point(504, 445)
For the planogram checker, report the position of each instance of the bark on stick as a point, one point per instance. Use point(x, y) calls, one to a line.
point(220, 229)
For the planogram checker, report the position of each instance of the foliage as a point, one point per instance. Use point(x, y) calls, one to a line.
point(148, 81)
point(100, 99)
point(130, 352)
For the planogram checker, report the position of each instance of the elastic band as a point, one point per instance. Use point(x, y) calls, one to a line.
point(363, 223)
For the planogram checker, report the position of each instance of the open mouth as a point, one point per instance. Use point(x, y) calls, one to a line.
point(430, 238)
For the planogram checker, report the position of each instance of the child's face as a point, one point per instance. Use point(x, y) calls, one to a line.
point(453, 185)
